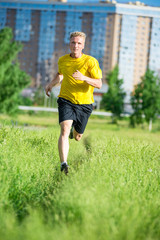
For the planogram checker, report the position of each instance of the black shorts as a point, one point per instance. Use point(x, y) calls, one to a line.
point(79, 113)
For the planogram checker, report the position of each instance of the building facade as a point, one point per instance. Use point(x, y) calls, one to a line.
point(123, 34)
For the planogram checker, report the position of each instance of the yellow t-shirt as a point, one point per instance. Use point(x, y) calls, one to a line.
point(77, 91)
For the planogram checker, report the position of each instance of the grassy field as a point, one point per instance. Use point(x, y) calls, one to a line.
point(112, 191)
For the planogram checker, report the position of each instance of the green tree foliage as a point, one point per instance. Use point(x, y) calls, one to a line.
point(113, 99)
point(12, 78)
point(136, 103)
point(146, 99)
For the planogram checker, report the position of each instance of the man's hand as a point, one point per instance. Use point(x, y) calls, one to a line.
point(48, 89)
point(97, 83)
point(56, 81)
point(78, 75)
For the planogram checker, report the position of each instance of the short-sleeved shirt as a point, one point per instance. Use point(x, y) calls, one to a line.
point(77, 91)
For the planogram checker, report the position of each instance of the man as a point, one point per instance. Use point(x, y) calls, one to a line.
point(78, 74)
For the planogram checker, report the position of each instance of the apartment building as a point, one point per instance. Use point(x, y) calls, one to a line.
point(123, 34)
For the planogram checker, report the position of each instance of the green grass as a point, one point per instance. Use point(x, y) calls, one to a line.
point(112, 190)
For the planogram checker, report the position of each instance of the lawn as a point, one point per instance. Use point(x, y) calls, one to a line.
point(112, 190)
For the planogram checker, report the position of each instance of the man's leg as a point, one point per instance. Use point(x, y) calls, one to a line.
point(77, 136)
point(83, 113)
point(63, 142)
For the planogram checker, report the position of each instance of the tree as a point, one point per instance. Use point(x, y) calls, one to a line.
point(147, 93)
point(150, 96)
point(113, 99)
point(12, 78)
point(136, 103)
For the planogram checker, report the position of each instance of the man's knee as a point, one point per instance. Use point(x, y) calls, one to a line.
point(65, 128)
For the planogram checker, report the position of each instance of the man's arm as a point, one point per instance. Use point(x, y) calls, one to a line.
point(56, 81)
point(97, 83)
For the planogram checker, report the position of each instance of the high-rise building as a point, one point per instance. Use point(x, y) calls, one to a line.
point(123, 34)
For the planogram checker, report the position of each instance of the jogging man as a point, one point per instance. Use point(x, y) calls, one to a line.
point(78, 74)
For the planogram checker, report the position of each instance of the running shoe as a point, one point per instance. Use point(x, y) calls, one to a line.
point(64, 167)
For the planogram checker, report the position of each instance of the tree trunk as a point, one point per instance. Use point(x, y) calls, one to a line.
point(114, 119)
point(150, 124)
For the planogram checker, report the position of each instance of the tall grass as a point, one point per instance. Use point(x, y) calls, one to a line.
point(112, 190)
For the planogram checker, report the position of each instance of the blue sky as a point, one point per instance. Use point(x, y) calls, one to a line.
point(155, 3)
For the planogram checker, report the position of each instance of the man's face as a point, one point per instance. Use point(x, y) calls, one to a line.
point(76, 45)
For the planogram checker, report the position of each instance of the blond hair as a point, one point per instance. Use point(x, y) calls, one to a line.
point(78, 34)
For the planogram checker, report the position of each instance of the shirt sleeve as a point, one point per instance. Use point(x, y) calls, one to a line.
point(94, 69)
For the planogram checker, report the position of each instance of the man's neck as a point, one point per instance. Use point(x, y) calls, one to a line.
point(73, 55)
